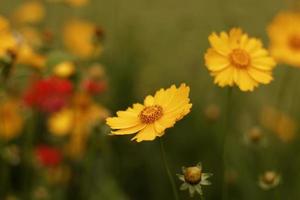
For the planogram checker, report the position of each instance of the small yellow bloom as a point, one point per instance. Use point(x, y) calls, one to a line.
point(236, 59)
point(158, 113)
point(30, 12)
point(80, 38)
point(64, 69)
point(269, 180)
point(279, 123)
point(284, 33)
point(61, 123)
point(11, 121)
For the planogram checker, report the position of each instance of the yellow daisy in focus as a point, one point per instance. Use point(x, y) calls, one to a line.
point(158, 113)
point(236, 59)
point(81, 38)
point(284, 34)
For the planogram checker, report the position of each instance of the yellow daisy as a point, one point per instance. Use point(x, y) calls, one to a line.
point(158, 113)
point(29, 12)
point(236, 59)
point(80, 38)
point(284, 33)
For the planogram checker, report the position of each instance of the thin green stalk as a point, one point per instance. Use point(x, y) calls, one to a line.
point(227, 131)
point(202, 197)
point(276, 194)
point(171, 179)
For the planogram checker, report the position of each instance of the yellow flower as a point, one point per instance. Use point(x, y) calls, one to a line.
point(4, 24)
point(8, 44)
point(11, 121)
point(80, 38)
point(64, 69)
point(30, 12)
point(27, 56)
point(158, 113)
point(284, 33)
point(32, 36)
point(279, 123)
point(237, 59)
point(77, 122)
point(61, 123)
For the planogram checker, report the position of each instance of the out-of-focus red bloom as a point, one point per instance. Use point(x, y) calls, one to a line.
point(48, 156)
point(49, 95)
point(94, 87)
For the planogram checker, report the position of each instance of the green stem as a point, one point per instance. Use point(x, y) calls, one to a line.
point(171, 179)
point(202, 197)
point(227, 131)
point(276, 194)
point(285, 79)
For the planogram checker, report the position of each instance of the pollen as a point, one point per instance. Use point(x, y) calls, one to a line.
point(239, 58)
point(294, 42)
point(151, 114)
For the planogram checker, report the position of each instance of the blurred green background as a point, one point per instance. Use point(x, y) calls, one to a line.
point(152, 44)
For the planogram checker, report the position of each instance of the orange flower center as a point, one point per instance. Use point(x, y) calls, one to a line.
point(239, 58)
point(294, 42)
point(193, 175)
point(150, 114)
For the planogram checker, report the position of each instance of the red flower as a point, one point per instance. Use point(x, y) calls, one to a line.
point(49, 95)
point(48, 156)
point(94, 87)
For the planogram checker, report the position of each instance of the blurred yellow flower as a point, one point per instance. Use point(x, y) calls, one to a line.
point(27, 56)
point(77, 122)
point(32, 36)
point(80, 38)
point(236, 59)
point(64, 69)
point(281, 124)
point(8, 44)
point(61, 123)
point(11, 121)
point(158, 113)
point(77, 3)
point(4, 24)
point(284, 33)
point(29, 12)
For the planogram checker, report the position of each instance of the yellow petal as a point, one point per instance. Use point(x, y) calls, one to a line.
point(220, 44)
point(129, 130)
point(146, 134)
point(225, 77)
point(149, 100)
point(263, 63)
point(244, 81)
point(215, 61)
point(126, 119)
point(260, 76)
point(178, 99)
point(162, 97)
